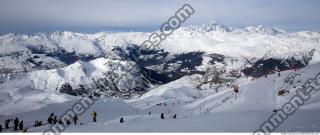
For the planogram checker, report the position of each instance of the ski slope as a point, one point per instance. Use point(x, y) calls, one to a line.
point(224, 111)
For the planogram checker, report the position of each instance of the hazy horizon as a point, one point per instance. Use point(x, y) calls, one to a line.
point(32, 16)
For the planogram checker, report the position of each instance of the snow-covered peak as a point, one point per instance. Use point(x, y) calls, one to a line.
point(213, 26)
point(216, 27)
point(264, 29)
point(252, 41)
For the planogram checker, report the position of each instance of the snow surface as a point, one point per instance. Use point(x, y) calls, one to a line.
point(197, 111)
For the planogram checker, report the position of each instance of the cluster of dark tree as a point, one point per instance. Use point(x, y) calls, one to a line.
point(125, 83)
point(217, 77)
point(264, 67)
point(80, 91)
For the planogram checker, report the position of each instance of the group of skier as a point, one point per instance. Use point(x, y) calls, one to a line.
point(18, 125)
point(162, 116)
point(54, 120)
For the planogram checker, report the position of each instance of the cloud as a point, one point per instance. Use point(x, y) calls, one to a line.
point(41, 15)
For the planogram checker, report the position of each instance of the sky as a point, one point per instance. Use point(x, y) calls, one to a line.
point(27, 16)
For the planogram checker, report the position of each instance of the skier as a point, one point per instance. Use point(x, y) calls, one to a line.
point(121, 120)
point(51, 114)
point(16, 123)
point(7, 122)
point(55, 120)
point(60, 122)
point(75, 119)
point(94, 116)
point(162, 116)
point(275, 110)
point(68, 122)
point(0, 128)
point(235, 88)
point(36, 123)
point(174, 116)
point(149, 113)
point(21, 125)
point(50, 120)
point(39, 123)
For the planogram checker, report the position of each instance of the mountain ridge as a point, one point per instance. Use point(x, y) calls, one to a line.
point(189, 50)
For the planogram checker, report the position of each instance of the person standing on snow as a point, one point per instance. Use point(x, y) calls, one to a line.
point(7, 122)
point(94, 116)
point(21, 125)
point(60, 122)
point(235, 88)
point(68, 122)
point(121, 120)
point(162, 116)
point(174, 116)
point(55, 120)
point(50, 120)
point(16, 123)
point(75, 119)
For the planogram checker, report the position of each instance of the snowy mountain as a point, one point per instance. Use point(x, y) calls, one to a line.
point(252, 51)
point(194, 69)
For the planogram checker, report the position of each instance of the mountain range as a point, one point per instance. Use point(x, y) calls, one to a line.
point(102, 63)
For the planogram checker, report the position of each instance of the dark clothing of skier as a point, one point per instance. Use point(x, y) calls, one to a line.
point(68, 122)
point(50, 120)
point(235, 88)
point(7, 122)
point(16, 123)
point(174, 116)
point(274, 110)
point(21, 125)
point(121, 120)
point(94, 116)
point(162, 116)
point(60, 122)
point(38, 123)
point(55, 120)
point(0, 128)
point(75, 119)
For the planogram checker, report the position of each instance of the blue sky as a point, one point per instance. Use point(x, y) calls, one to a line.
point(24, 16)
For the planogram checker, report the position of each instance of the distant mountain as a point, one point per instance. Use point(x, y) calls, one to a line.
point(49, 60)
